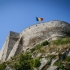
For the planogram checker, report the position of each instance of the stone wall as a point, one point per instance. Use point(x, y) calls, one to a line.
point(4, 50)
point(49, 30)
point(33, 35)
point(8, 45)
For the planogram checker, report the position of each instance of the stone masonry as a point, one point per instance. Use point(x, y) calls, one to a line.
point(18, 42)
point(8, 45)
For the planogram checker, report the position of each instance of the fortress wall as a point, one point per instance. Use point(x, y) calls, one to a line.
point(8, 45)
point(14, 35)
point(17, 48)
point(34, 35)
point(45, 31)
point(20, 46)
point(14, 49)
point(13, 39)
point(4, 50)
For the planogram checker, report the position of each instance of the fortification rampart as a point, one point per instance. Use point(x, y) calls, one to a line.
point(8, 45)
point(33, 35)
point(50, 31)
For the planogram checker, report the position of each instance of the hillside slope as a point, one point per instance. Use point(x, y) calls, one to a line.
point(54, 55)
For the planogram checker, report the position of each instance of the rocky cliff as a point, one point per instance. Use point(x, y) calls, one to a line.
point(28, 38)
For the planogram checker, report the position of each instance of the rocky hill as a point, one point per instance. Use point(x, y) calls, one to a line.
point(44, 46)
point(54, 55)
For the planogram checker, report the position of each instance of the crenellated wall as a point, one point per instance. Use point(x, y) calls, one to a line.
point(32, 35)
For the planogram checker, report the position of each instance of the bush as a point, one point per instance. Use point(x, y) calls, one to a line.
point(59, 64)
point(37, 62)
point(67, 58)
point(44, 43)
point(33, 49)
point(2, 66)
point(25, 62)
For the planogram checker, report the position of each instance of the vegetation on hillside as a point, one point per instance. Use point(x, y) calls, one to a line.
point(67, 59)
point(61, 41)
point(26, 61)
point(38, 46)
point(64, 64)
point(2, 66)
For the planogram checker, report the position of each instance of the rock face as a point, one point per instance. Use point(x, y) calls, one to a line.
point(43, 63)
point(18, 42)
point(53, 68)
point(9, 68)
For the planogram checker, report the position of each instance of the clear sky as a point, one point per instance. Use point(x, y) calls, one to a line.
point(16, 15)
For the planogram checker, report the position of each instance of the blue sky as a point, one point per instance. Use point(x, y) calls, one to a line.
point(16, 15)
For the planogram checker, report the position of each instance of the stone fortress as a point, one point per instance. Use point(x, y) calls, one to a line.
point(20, 42)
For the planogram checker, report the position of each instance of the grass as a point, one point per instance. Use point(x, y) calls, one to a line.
point(59, 64)
point(38, 46)
point(58, 45)
point(63, 65)
point(51, 56)
point(61, 41)
point(67, 59)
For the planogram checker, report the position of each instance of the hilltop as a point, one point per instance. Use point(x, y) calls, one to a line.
point(42, 46)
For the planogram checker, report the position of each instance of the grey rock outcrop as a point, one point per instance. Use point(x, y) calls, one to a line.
point(9, 68)
point(18, 42)
point(43, 63)
point(53, 68)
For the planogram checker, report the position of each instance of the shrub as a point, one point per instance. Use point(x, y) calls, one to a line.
point(44, 43)
point(33, 49)
point(37, 62)
point(2, 66)
point(59, 64)
point(24, 63)
point(67, 58)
